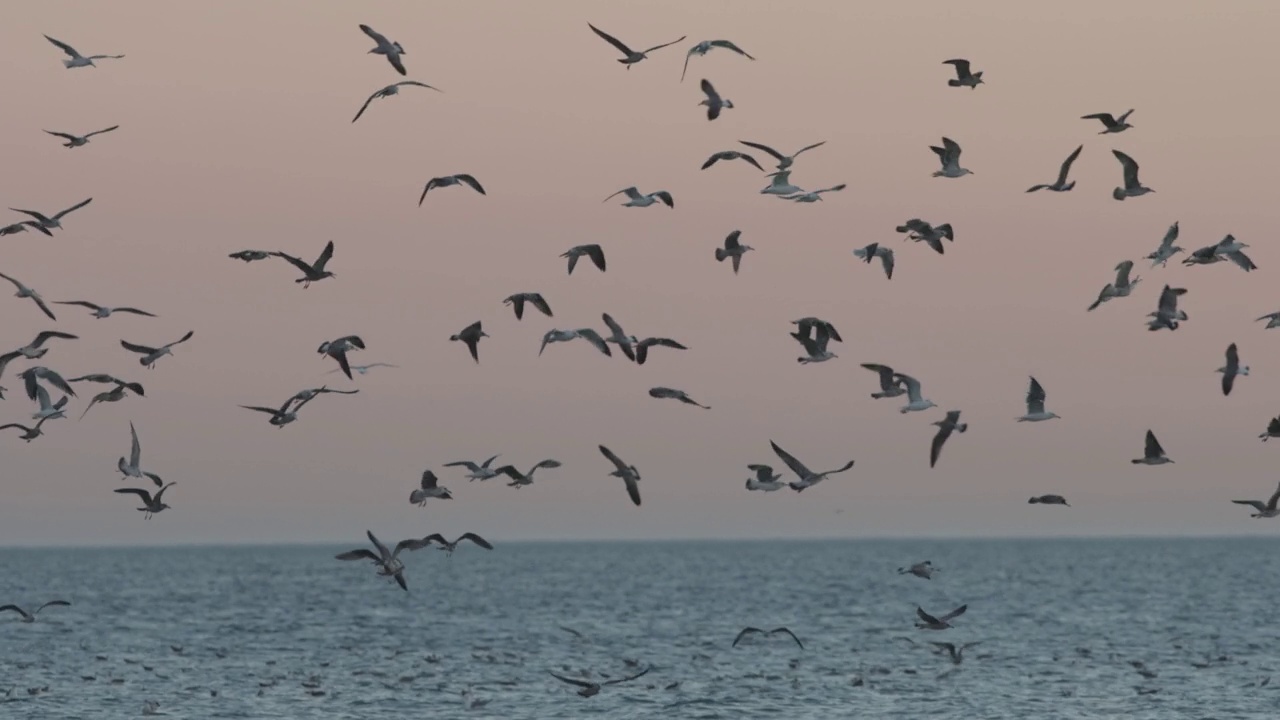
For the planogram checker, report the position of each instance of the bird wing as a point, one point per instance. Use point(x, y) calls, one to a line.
point(788, 632)
point(1256, 504)
point(684, 72)
point(68, 136)
point(410, 544)
point(1170, 236)
point(1153, 448)
point(951, 149)
point(622, 467)
point(325, 256)
point(596, 253)
point(642, 672)
point(296, 262)
point(594, 338)
point(463, 463)
point(183, 339)
point(795, 465)
point(745, 631)
point(429, 480)
point(73, 208)
point(540, 303)
point(913, 387)
point(887, 261)
point(377, 36)
point(1035, 397)
point(104, 130)
point(614, 327)
point(1242, 260)
point(382, 549)
point(962, 67)
point(1130, 168)
point(475, 185)
point(548, 463)
point(1125, 116)
point(15, 608)
point(1066, 165)
point(731, 241)
point(611, 40)
point(935, 447)
point(145, 495)
point(808, 147)
point(665, 197)
point(365, 106)
point(1122, 273)
point(65, 47)
point(709, 89)
point(633, 489)
point(42, 337)
point(955, 613)
point(887, 376)
point(270, 411)
point(659, 47)
point(1106, 118)
point(561, 678)
point(926, 616)
point(361, 554)
point(765, 148)
point(728, 45)
point(133, 310)
point(1275, 498)
point(475, 539)
point(62, 603)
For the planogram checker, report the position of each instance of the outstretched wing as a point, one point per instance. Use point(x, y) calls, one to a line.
point(611, 40)
point(795, 465)
point(745, 631)
point(617, 461)
point(788, 632)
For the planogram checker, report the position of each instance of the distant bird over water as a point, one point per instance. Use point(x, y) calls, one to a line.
point(590, 689)
point(765, 480)
point(150, 505)
point(921, 570)
point(30, 617)
point(628, 473)
point(1268, 510)
point(806, 478)
point(929, 622)
point(429, 487)
point(388, 562)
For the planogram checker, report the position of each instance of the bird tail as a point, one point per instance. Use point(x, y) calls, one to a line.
point(1136, 461)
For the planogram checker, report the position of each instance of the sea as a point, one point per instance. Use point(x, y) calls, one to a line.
point(1078, 628)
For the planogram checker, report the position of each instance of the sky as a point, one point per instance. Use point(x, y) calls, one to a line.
point(236, 133)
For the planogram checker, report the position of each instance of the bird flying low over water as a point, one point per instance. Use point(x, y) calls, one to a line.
point(1152, 453)
point(733, 249)
point(593, 251)
point(76, 59)
point(388, 561)
point(518, 300)
point(1111, 124)
point(964, 77)
point(949, 155)
point(337, 349)
point(45, 223)
point(1061, 184)
point(1269, 509)
point(876, 250)
point(429, 487)
point(150, 505)
point(955, 651)
point(784, 161)
point(75, 141)
point(30, 617)
point(673, 394)
point(102, 311)
point(449, 547)
point(806, 478)
point(1167, 249)
point(635, 199)
point(731, 155)
point(945, 427)
point(590, 689)
point(707, 46)
point(713, 101)
point(26, 292)
point(311, 272)
point(630, 476)
point(1232, 369)
point(1048, 500)
point(470, 335)
point(921, 570)
point(929, 622)
point(152, 354)
point(447, 180)
point(630, 57)
point(391, 50)
point(757, 631)
point(1035, 404)
point(388, 91)
point(1131, 188)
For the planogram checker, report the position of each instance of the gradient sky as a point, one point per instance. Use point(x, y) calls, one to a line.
point(235, 132)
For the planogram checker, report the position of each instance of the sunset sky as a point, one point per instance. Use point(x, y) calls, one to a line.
point(236, 133)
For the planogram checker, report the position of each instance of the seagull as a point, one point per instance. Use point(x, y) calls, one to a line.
point(921, 570)
point(949, 154)
point(150, 505)
point(722, 155)
point(929, 622)
point(471, 335)
point(115, 394)
point(921, 231)
point(891, 384)
point(18, 227)
point(151, 354)
point(28, 433)
point(1048, 500)
point(915, 402)
point(101, 311)
point(631, 56)
point(1167, 313)
point(587, 334)
point(1273, 429)
point(1228, 248)
point(78, 60)
point(447, 180)
point(337, 349)
point(964, 78)
point(284, 415)
point(1232, 369)
point(250, 255)
point(876, 250)
point(713, 101)
point(638, 200)
point(669, 393)
point(74, 141)
point(449, 547)
point(36, 347)
point(362, 369)
point(30, 617)
point(815, 347)
point(628, 473)
point(1122, 287)
point(945, 427)
point(1061, 184)
point(48, 411)
point(476, 472)
point(807, 478)
point(26, 292)
point(1269, 510)
point(781, 185)
point(765, 479)
point(311, 272)
point(590, 689)
point(805, 325)
point(431, 488)
point(810, 196)
point(593, 251)
point(45, 223)
point(388, 91)
point(388, 562)
point(755, 630)
point(707, 46)
point(1035, 404)
point(519, 479)
point(956, 651)
point(133, 466)
point(1167, 249)
point(733, 249)
point(784, 161)
point(1113, 124)
point(635, 350)
point(1132, 188)
point(32, 375)
point(391, 50)
point(1152, 453)
point(518, 300)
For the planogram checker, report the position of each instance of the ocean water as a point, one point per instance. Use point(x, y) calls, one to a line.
point(289, 632)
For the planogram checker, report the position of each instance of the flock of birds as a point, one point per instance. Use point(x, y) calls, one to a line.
point(814, 335)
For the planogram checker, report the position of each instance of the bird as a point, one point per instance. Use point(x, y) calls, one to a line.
point(471, 335)
point(26, 292)
point(311, 272)
point(806, 477)
point(518, 300)
point(876, 250)
point(757, 631)
point(915, 402)
point(945, 427)
point(590, 689)
point(630, 476)
point(593, 251)
point(250, 255)
point(476, 472)
point(388, 562)
point(635, 199)
point(1061, 184)
point(921, 231)
point(151, 354)
point(713, 101)
point(28, 433)
point(362, 369)
point(1152, 453)
point(1232, 369)
point(765, 480)
point(388, 91)
point(956, 651)
point(921, 570)
point(815, 346)
point(1228, 248)
point(45, 223)
point(1268, 510)
point(733, 249)
point(391, 50)
point(449, 547)
point(48, 410)
point(784, 161)
point(337, 349)
point(519, 479)
point(32, 375)
point(115, 394)
point(1273, 320)
point(15, 228)
point(102, 311)
point(949, 154)
point(75, 141)
point(30, 617)
point(447, 180)
point(1048, 500)
point(1035, 404)
point(634, 349)
point(929, 622)
point(806, 325)
point(133, 466)
point(285, 414)
point(430, 488)
point(707, 46)
point(306, 395)
point(811, 196)
point(781, 185)
point(1122, 286)
point(964, 77)
point(891, 384)
point(716, 157)
point(1132, 188)
point(35, 349)
point(1167, 249)
point(1167, 313)
point(1112, 124)
point(78, 60)
point(630, 57)
point(1273, 429)
point(669, 393)
point(150, 505)
point(587, 334)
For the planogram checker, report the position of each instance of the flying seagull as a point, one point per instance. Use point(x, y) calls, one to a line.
point(1132, 188)
point(713, 101)
point(1269, 510)
point(1061, 184)
point(915, 402)
point(945, 427)
point(956, 651)
point(1048, 500)
point(1273, 429)
point(35, 349)
point(811, 196)
point(388, 562)
point(765, 480)
point(921, 570)
point(733, 249)
point(45, 223)
point(388, 91)
point(1273, 320)
point(1152, 453)
point(781, 185)
point(78, 60)
point(102, 311)
point(15, 228)
point(1167, 249)
point(755, 630)
point(28, 433)
point(722, 155)
point(150, 505)
point(815, 346)
point(630, 57)
point(1167, 313)
point(26, 292)
point(48, 410)
point(151, 354)
point(306, 395)
point(964, 77)
point(1228, 248)
point(635, 349)
point(593, 251)
point(630, 476)
point(337, 349)
point(476, 472)
point(891, 384)
point(635, 199)
point(285, 414)
point(447, 180)
point(590, 689)
point(311, 272)
point(31, 375)
point(1232, 369)
point(876, 250)
point(75, 141)
point(449, 547)
point(519, 479)
point(115, 394)
point(1112, 124)
point(591, 336)
point(949, 154)
point(929, 622)
point(1122, 286)
point(1035, 404)
point(29, 617)
point(673, 394)
point(921, 231)
point(391, 50)
point(518, 300)
point(133, 466)
point(806, 325)
point(471, 335)
point(707, 46)
point(806, 477)
point(784, 161)
point(250, 255)
point(430, 487)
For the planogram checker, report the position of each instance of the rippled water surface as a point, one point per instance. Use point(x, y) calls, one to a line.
point(289, 632)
